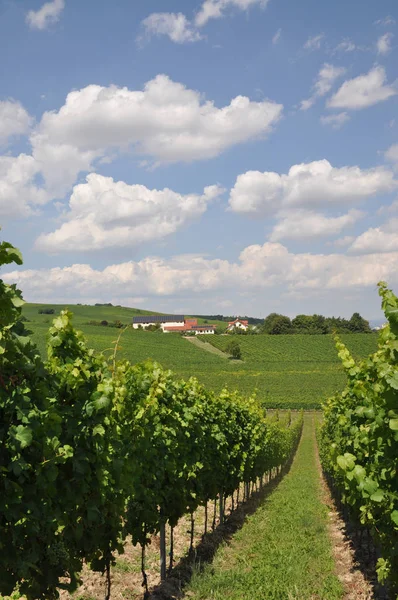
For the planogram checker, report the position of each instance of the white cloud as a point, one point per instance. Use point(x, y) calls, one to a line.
point(47, 15)
point(175, 25)
point(304, 224)
point(215, 9)
point(107, 214)
point(314, 42)
point(19, 193)
point(277, 37)
point(336, 121)
point(392, 154)
point(346, 45)
point(383, 44)
point(343, 242)
point(165, 121)
point(181, 30)
point(377, 239)
point(259, 267)
point(386, 21)
point(363, 91)
point(315, 184)
point(326, 78)
point(14, 120)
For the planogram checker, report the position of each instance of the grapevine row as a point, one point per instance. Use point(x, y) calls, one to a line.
point(93, 451)
point(359, 440)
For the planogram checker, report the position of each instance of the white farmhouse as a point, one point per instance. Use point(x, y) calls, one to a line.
point(163, 320)
point(238, 324)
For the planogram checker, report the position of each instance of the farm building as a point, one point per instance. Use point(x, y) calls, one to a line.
point(172, 323)
point(145, 321)
point(238, 324)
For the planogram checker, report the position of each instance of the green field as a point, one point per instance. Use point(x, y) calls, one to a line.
point(286, 371)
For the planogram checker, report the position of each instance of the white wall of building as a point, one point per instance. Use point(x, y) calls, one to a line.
point(238, 325)
point(162, 325)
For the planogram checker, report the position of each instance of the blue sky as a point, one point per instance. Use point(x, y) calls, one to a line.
point(234, 156)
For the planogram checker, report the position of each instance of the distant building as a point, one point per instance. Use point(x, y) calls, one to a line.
point(172, 323)
point(238, 324)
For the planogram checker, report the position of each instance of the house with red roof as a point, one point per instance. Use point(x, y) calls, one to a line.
point(238, 324)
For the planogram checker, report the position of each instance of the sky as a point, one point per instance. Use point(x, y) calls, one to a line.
point(201, 157)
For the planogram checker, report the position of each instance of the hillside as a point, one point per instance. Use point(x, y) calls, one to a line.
point(285, 371)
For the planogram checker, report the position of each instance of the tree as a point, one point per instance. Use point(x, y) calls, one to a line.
point(358, 324)
point(276, 324)
point(234, 350)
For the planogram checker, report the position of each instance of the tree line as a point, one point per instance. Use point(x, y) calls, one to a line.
point(276, 324)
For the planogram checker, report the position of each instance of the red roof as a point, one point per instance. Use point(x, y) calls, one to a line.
point(244, 322)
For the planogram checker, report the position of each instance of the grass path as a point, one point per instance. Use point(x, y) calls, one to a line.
point(283, 552)
point(203, 345)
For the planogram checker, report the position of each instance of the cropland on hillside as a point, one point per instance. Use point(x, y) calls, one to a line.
point(286, 371)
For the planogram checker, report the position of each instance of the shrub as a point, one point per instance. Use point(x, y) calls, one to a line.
point(234, 350)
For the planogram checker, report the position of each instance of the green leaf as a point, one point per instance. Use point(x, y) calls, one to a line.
point(377, 496)
point(98, 430)
point(394, 517)
point(24, 435)
point(393, 424)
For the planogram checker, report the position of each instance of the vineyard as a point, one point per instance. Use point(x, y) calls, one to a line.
point(95, 450)
point(286, 371)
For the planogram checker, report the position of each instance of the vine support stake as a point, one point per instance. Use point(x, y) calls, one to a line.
point(221, 508)
point(108, 580)
point(171, 554)
point(192, 532)
point(162, 547)
point(205, 518)
point(143, 572)
point(213, 525)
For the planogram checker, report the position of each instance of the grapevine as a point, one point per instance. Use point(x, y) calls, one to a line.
point(359, 440)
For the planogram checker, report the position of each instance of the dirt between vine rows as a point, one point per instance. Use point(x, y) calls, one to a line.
point(354, 565)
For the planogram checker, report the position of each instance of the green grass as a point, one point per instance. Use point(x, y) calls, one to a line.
point(287, 371)
point(283, 552)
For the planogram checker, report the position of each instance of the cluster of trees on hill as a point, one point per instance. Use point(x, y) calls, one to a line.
point(276, 324)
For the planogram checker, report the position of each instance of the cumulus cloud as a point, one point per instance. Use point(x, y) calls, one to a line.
point(259, 267)
point(47, 15)
point(377, 239)
point(383, 44)
point(165, 121)
point(314, 42)
point(343, 242)
point(326, 78)
point(304, 224)
point(20, 195)
point(174, 25)
point(363, 91)
point(307, 185)
point(336, 121)
point(14, 120)
point(108, 214)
